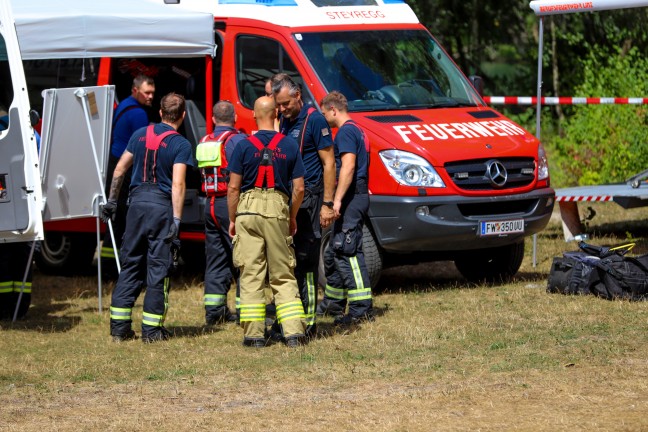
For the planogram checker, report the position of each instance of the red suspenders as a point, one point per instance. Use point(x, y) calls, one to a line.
point(150, 158)
point(266, 168)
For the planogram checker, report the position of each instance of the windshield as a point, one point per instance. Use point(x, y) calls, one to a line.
point(387, 70)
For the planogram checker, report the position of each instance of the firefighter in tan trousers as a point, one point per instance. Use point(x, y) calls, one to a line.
point(265, 191)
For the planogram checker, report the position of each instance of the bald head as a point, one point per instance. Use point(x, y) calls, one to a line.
point(264, 112)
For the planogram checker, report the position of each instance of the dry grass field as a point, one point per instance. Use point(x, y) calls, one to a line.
point(442, 355)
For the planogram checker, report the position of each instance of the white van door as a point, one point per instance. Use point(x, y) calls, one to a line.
point(20, 185)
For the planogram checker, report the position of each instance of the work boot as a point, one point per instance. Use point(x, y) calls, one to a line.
point(122, 337)
point(254, 343)
point(348, 320)
point(294, 341)
point(225, 318)
point(327, 307)
point(157, 336)
point(274, 333)
point(311, 331)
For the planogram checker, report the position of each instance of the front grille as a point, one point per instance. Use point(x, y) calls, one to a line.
point(473, 175)
point(498, 208)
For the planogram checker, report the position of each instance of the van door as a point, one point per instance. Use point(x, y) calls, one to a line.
point(20, 187)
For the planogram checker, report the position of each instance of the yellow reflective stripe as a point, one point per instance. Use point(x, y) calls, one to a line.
point(290, 310)
point(6, 287)
point(310, 287)
point(357, 274)
point(209, 154)
point(215, 299)
point(359, 294)
point(107, 252)
point(17, 287)
point(238, 302)
point(253, 312)
point(166, 298)
point(120, 313)
point(152, 319)
point(335, 293)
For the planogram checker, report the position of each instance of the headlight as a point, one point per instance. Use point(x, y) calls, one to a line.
point(409, 169)
point(543, 165)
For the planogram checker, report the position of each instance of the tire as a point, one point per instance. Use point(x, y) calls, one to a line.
point(372, 254)
point(66, 254)
point(491, 265)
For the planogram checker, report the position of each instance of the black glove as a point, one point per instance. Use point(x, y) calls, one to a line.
point(109, 211)
point(174, 231)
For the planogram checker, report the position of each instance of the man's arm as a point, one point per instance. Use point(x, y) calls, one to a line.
point(295, 202)
point(178, 189)
point(233, 194)
point(125, 162)
point(346, 177)
point(327, 156)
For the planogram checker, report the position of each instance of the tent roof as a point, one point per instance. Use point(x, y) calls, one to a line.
point(555, 7)
point(107, 28)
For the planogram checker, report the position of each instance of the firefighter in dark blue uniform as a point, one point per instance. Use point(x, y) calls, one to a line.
point(346, 272)
point(212, 153)
point(159, 157)
point(311, 131)
point(129, 116)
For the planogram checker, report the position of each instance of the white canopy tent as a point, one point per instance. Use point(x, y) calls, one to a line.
point(110, 28)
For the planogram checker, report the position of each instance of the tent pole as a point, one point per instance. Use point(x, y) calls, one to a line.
point(538, 113)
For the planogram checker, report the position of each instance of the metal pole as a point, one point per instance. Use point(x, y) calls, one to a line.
point(538, 113)
point(24, 281)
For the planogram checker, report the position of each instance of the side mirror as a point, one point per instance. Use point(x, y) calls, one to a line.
point(34, 118)
point(478, 83)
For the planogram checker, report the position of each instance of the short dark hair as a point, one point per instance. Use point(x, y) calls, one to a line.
point(141, 79)
point(172, 106)
point(336, 99)
point(224, 113)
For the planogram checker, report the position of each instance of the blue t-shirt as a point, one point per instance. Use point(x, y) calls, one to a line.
point(173, 149)
point(287, 162)
point(351, 139)
point(317, 136)
point(128, 117)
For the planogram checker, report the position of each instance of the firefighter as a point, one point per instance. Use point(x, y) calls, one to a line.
point(346, 272)
point(159, 157)
point(309, 128)
point(130, 115)
point(263, 210)
point(212, 153)
point(14, 261)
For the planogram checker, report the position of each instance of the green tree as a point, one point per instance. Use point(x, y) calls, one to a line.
point(604, 143)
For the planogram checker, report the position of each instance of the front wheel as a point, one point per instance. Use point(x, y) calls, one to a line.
point(66, 254)
point(490, 265)
point(372, 254)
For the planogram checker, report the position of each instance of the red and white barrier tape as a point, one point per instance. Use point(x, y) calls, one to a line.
point(569, 198)
point(568, 100)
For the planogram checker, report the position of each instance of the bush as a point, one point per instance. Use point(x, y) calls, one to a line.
point(604, 143)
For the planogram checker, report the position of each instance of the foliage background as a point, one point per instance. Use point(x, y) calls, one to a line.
point(598, 54)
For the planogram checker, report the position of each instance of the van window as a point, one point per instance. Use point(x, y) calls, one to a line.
point(259, 58)
point(6, 92)
point(387, 70)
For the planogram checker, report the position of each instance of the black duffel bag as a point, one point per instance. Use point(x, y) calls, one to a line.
point(602, 271)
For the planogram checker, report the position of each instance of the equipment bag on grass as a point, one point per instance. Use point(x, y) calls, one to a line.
point(602, 271)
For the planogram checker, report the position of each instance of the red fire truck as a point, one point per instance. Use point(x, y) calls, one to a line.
point(450, 178)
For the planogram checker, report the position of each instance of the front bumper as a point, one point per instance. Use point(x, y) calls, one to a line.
point(451, 223)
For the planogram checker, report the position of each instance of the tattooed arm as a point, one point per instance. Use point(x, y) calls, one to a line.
point(118, 176)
